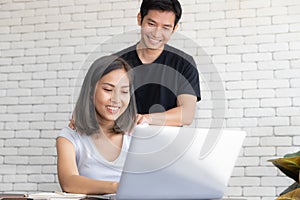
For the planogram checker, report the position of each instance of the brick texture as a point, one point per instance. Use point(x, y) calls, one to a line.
point(251, 47)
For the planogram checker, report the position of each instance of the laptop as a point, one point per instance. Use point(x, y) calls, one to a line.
point(165, 162)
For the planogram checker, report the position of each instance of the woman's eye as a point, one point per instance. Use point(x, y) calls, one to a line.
point(108, 90)
point(125, 91)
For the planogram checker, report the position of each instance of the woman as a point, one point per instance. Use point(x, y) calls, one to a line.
point(91, 157)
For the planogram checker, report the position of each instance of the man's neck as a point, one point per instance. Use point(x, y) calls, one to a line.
point(147, 55)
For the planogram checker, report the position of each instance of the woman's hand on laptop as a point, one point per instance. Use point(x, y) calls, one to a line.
point(115, 186)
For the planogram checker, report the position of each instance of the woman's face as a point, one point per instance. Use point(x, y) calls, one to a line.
point(112, 95)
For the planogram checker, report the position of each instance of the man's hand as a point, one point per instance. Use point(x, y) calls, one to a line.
point(141, 119)
point(72, 123)
point(181, 115)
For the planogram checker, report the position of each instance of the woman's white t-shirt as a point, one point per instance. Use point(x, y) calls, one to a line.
point(89, 161)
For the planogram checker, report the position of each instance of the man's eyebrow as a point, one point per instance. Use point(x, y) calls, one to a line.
point(165, 25)
point(152, 20)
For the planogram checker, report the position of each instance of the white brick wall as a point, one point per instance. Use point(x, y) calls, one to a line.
point(253, 46)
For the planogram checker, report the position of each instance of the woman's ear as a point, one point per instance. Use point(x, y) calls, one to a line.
point(139, 19)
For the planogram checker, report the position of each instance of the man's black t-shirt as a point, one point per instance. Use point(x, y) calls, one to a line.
point(158, 84)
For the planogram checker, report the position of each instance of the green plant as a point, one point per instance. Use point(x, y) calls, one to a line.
point(290, 166)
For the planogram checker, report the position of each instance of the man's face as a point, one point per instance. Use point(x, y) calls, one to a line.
point(157, 28)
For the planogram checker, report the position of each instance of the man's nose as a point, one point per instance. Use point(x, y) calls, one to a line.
point(157, 31)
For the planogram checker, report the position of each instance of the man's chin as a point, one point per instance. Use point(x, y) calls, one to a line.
point(155, 47)
point(148, 45)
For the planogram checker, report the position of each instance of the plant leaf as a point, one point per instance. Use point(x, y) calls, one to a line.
point(293, 195)
point(289, 166)
point(292, 155)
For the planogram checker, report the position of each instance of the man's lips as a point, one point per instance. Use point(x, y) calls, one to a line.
point(154, 40)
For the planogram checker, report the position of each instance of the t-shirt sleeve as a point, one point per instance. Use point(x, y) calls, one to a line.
point(69, 134)
point(190, 83)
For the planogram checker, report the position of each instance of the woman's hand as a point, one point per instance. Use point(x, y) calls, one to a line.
point(115, 186)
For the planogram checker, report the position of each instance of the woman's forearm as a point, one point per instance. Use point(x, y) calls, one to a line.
point(84, 185)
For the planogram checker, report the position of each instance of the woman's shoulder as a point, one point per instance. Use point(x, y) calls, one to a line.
point(68, 133)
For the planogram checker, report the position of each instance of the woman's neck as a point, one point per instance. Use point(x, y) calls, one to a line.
point(108, 143)
point(106, 129)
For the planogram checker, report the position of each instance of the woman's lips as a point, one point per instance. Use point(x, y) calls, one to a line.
point(113, 109)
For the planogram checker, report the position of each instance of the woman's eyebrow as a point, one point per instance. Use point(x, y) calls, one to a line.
point(109, 84)
point(112, 85)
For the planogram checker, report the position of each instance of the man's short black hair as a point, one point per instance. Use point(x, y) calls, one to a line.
point(162, 5)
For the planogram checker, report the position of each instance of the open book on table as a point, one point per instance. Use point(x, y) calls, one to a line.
point(64, 196)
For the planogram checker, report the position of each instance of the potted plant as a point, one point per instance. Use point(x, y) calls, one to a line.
point(290, 166)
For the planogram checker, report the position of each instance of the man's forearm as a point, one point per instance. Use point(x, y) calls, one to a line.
point(181, 115)
point(174, 117)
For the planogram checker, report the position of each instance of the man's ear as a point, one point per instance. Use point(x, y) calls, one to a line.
point(139, 19)
point(176, 27)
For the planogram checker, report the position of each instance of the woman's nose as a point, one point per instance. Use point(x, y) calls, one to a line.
point(115, 97)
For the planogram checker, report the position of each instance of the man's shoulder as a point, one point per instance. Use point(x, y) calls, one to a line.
point(125, 52)
point(176, 53)
point(172, 49)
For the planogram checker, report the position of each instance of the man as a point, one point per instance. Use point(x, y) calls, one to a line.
point(166, 79)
